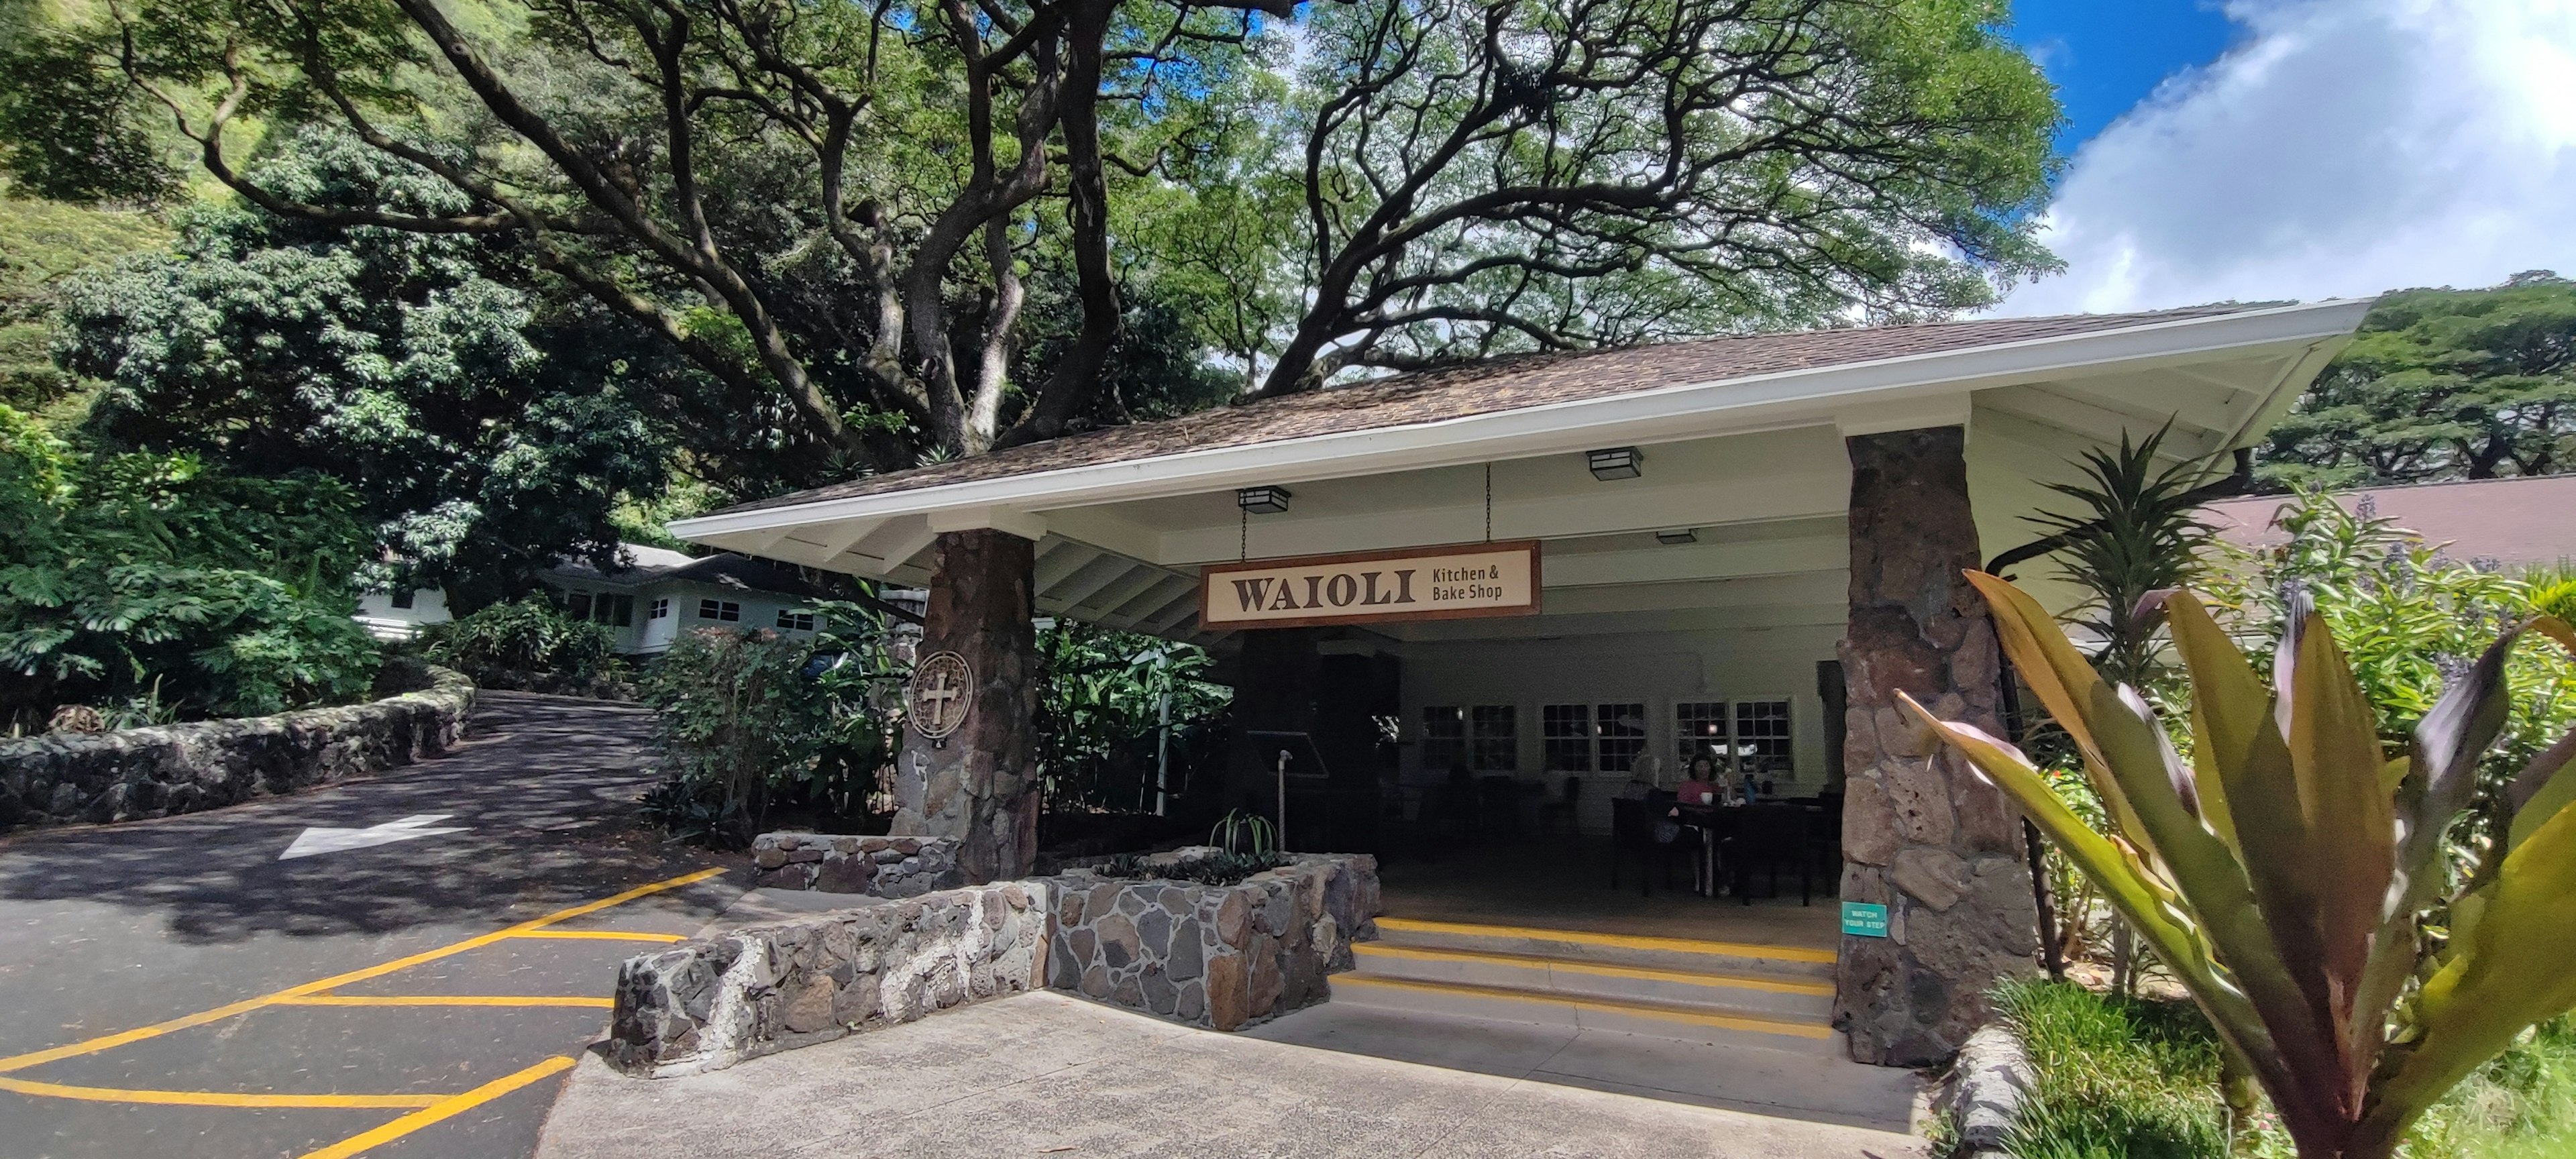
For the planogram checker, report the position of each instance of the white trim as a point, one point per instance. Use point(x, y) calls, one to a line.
point(1664, 414)
point(1020, 523)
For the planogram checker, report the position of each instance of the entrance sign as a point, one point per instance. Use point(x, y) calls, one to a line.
point(942, 693)
point(1372, 587)
point(1863, 919)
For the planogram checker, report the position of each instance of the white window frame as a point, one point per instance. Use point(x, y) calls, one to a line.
point(720, 611)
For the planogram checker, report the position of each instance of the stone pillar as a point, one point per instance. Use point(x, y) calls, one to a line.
point(1921, 833)
point(980, 784)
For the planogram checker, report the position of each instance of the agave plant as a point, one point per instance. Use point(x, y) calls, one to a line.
point(2286, 871)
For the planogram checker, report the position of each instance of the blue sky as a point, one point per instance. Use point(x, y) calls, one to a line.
point(2106, 55)
point(2302, 148)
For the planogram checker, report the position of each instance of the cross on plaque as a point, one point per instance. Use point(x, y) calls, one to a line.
point(941, 696)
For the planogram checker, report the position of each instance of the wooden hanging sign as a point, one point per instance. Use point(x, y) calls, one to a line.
point(1456, 581)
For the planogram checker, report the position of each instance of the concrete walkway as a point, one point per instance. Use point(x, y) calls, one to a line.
point(1043, 1074)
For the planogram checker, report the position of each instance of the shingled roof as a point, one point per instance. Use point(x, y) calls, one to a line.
point(1500, 384)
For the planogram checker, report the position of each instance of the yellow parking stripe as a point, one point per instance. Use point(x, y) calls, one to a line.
point(605, 935)
point(216, 1098)
point(218, 1014)
point(444, 1000)
point(443, 1108)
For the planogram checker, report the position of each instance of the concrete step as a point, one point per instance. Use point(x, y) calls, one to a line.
point(1764, 995)
point(1658, 1020)
point(1692, 955)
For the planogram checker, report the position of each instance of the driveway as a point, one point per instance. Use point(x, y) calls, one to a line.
point(176, 988)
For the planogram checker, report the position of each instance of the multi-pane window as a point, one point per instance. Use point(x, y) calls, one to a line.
point(1493, 738)
point(661, 609)
point(600, 607)
point(1762, 740)
point(1699, 730)
point(577, 605)
point(1565, 731)
point(1444, 737)
point(726, 611)
point(795, 621)
point(1622, 728)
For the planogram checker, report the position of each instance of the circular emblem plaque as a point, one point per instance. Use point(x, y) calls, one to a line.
point(942, 693)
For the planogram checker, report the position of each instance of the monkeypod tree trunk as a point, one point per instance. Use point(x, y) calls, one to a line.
point(978, 783)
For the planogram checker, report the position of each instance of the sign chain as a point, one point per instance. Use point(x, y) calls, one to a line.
point(1489, 502)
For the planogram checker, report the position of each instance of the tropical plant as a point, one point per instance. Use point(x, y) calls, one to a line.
point(752, 720)
point(524, 636)
point(1240, 831)
point(128, 577)
point(1117, 711)
point(2293, 877)
point(2135, 531)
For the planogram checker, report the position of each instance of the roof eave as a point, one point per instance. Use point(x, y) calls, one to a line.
point(1752, 403)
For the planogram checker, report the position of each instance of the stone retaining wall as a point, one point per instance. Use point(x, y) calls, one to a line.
point(182, 768)
point(1223, 957)
point(842, 863)
point(708, 1004)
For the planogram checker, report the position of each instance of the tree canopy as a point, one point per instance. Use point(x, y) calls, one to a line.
point(925, 227)
point(2441, 384)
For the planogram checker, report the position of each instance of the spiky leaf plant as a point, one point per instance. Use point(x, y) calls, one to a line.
point(2284, 871)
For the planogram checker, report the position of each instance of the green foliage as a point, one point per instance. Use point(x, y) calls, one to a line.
point(41, 242)
point(489, 429)
point(2295, 879)
point(530, 635)
point(2134, 533)
point(2441, 384)
point(1223, 868)
point(2126, 1078)
point(136, 576)
point(1245, 832)
point(2411, 621)
point(1111, 703)
point(754, 720)
point(2118, 1078)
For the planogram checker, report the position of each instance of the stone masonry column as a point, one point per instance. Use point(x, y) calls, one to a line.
point(980, 783)
point(1921, 833)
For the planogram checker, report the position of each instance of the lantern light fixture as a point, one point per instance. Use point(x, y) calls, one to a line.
point(1614, 463)
point(1262, 500)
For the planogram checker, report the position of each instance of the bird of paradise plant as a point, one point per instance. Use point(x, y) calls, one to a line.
point(2286, 871)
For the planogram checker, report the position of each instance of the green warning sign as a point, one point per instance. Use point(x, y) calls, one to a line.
point(1862, 919)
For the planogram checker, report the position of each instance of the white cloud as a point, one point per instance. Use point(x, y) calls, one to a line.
point(2345, 147)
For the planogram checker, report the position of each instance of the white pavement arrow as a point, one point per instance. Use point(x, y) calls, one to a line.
point(322, 839)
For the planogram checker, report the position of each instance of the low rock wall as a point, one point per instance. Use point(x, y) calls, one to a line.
point(708, 1004)
point(841, 863)
point(1223, 957)
point(182, 768)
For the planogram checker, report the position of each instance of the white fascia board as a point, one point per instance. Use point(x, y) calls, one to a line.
point(1664, 414)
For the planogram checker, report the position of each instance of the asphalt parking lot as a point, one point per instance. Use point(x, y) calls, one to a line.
point(413, 981)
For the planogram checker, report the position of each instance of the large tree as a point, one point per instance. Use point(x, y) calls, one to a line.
point(486, 429)
point(2441, 384)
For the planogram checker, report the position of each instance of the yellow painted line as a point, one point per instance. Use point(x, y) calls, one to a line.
point(443, 1000)
point(444, 1108)
point(604, 935)
point(215, 1098)
point(1597, 969)
point(1666, 1013)
point(1620, 941)
point(218, 1014)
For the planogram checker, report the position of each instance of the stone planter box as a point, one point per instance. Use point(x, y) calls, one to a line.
point(183, 768)
point(843, 863)
point(708, 1004)
point(1223, 957)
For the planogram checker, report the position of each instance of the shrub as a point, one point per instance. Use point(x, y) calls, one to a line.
point(154, 586)
point(528, 635)
point(753, 720)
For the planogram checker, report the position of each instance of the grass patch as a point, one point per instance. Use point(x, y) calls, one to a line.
point(2126, 1078)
